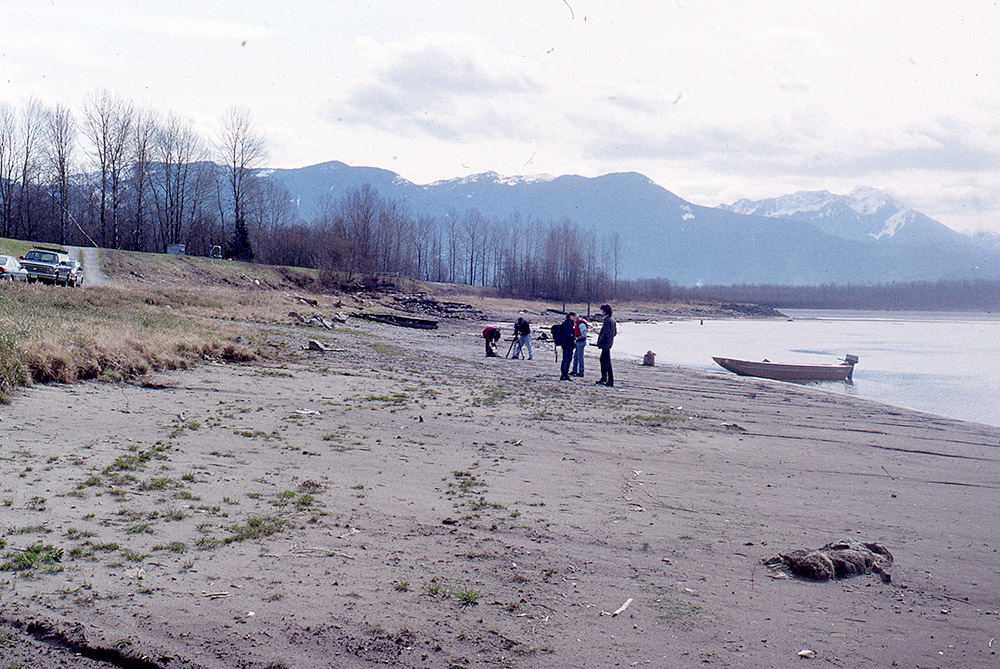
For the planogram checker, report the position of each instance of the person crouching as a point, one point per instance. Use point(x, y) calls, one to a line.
point(492, 336)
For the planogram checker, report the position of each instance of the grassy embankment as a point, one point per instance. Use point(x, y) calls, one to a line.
point(159, 312)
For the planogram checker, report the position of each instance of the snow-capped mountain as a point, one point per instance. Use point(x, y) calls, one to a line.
point(805, 238)
point(864, 214)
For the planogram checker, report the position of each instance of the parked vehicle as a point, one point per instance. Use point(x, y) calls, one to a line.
point(75, 273)
point(11, 270)
point(47, 265)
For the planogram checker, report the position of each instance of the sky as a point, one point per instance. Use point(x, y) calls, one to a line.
point(715, 100)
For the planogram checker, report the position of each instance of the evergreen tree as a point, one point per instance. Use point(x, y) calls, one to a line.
point(239, 246)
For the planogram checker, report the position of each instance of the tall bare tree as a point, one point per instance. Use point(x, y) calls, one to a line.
point(144, 131)
point(8, 169)
point(359, 212)
point(59, 146)
point(178, 153)
point(243, 151)
point(108, 123)
point(32, 124)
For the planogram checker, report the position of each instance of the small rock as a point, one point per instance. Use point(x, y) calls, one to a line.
point(808, 654)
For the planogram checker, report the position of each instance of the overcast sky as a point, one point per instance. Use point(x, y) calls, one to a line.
point(715, 100)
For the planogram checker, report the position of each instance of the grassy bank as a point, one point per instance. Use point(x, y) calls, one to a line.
point(64, 335)
point(160, 312)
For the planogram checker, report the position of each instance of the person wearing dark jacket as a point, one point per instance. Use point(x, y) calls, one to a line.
point(567, 341)
point(522, 331)
point(605, 340)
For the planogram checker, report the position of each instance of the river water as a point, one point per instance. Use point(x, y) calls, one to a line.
point(942, 363)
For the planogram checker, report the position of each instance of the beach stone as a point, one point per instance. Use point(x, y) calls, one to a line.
point(840, 559)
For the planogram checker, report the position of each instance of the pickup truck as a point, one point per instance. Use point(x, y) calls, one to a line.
point(47, 265)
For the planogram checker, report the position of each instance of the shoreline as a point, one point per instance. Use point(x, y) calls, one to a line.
point(402, 499)
point(908, 363)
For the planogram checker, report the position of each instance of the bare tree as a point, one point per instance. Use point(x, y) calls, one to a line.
point(177, 152)
point(243, 151)
point(359, 211)
point(108, 125)
point(144, 132)
point(270, 214)
point(473, 230)
point(60, 142)
point(8, 169)
point(32, 123)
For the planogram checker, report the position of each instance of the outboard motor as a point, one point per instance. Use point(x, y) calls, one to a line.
point(850, 360)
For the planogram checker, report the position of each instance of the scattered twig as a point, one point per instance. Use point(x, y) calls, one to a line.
point(214, 595)
point(619, 610)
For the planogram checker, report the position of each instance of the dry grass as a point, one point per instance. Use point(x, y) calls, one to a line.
point(113, 332)
point(159, 268)
point(162, 312)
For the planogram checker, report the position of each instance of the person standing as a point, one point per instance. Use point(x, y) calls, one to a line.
point(567, 342)
point(522, 330)
point(580, 332)
point(605, 340)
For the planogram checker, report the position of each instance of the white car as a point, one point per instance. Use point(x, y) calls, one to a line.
point(75, 273)
point(11, 270)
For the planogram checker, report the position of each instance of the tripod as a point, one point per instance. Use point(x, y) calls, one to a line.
point(511, 348)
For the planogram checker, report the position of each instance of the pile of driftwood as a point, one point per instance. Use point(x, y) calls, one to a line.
point(425, 304)
point(318, 321)
point(840, 559)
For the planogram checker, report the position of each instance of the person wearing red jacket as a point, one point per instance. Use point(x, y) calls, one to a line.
point(492, 335)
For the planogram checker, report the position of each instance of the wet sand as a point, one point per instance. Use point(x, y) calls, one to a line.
point(403, 500)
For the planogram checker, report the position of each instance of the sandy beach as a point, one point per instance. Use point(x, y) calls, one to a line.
point(402, 500)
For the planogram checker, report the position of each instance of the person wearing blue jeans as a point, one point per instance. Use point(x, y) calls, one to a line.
point(567, 342)
point(580, 333)
point(522, 330)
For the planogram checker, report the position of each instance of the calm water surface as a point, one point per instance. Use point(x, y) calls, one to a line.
point(946, 364)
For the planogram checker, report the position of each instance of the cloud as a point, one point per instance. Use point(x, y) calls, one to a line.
point(448, 85)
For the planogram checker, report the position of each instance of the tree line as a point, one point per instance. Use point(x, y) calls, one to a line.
point(124, 177)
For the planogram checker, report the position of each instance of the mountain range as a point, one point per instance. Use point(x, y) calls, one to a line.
point(806, 238)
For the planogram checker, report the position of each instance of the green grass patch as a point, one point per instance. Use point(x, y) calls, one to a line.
point(36, 556)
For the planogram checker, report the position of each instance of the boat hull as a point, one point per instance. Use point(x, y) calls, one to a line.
point(786, 372)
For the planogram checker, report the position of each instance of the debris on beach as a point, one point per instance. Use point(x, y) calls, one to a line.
point(314, 345)
point(649, 360)
point(841, 559)
point(313, 321)
point(427, 304)
point(620, 609)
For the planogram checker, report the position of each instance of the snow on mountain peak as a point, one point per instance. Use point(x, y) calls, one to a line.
point(866, 200)
point(785, 205)
point(494, 177)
